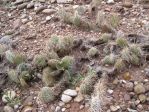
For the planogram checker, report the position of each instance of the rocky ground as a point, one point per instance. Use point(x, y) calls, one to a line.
point(27, 25)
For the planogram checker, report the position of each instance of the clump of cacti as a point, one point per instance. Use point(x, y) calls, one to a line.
point(40, 61)
point(106, 37)
point(114, 20)
point(52, 55)
point(60, 45)
point(46, 94)
point(52, 63)
point(47, 79)
point(131, 55)
point(13, 76)
point(66, 63)
point(119, 64)
point(134, 48)
point(121, 42)
point(14, 58)
point(92, 52)
point(109, 59)
point(23, 67)
point(86, 86)
point(65, 16)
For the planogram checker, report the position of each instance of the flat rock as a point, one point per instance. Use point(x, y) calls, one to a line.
point(64, 1)
point(48, 11)
point(70, 92)
point(66, 98)
point(8, 109)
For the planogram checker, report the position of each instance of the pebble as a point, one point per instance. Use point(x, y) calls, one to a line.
point(110, 1)
point(48, 18)
point(114, 108)
point(64, 1)
point(110, 91)
point(8, 109)
point(61, 104)
point(139, 88)
point(63, 109)
point(70, 92)
point(22, 6)
point(129, 86)
point(81, 107)
point(30, 5)
point(58, 108)
point(66, 98)
point(79, 98)
point(27, 109)
point(142, 98)
point(48, 11)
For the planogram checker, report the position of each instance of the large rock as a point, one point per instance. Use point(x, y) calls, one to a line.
point(64, 1)
point(139, 88)
point(66, 98)
point(70, 92)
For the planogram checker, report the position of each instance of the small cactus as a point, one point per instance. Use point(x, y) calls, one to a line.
point(23, 82)
point(14, 58)
point(92, 52)
point(121, 42)
point(119, 65)
point(52, 55)
point(77, 19)
point(66, 17)
point(13, 76)
point(23, 67)
point(53, 63)
point(100, 18)
point(109, 59)
point(40, 61)
point(66, 63)
point(25, 75)
point(134, 48)
point(106, 37)
point(126, 54)
point(86, 86)
point(47, 79)
point(114, 20)
point(46, 95)
point(3, 48)
point(135, 60)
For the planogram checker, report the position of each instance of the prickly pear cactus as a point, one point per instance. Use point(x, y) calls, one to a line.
point(40, 61)
point(87, 85)
point(47, 79)
point(46, 95)
point(13, 76)
point(121, 42)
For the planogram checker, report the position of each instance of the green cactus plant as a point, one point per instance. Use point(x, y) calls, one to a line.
point(40, 61)
point(106, 37)
point(13, 76)
point(86, 86)
point(46, 95)
point(134, 48)
point(47, 79)
point(92, 52)
point(121, 42)
point(65, 16)
point(52, 55)
point(134, 59)
point(114, 20)
point(77, 19)
point(25, 75)
point(66, 63)
point(14, 58)
point(3, 48)
point(23, 67)
point(109, 59)
point(100, 18)
point(126, 54)
point(53, 63)
point(119, 64)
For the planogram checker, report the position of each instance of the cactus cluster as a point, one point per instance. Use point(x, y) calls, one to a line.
point(40, 61)
point(14, 58)
point(121, 42)
point(106, 37)
point(46, 95)
point(109, 59)
point(60, 45)
point(87, 85)
point(119, 64)
point(132, 54)
point(92, 52)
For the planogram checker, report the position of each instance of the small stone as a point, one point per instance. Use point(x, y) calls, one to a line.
point(142, 98)
point(66, 98)
point(68, 106)
point(146, 71)
point(70, 92)
point(22, 6)
point(114, 108)
point(110, 1)
point(28, 101)
point(129, 86)
point(64, 1)
point(127, 3)
point(52, 108)
point(16, 106)
point(110, 91)
point(137, 102)
point(140, 107)
point(18, 2)
point(48, 11)
point(8, 109)
point(48, 18)
point(126, 97)
point(39, 9)
point(139, 88)
point(61, 104)
point(58, 108)
point(81, 107)
point(30, 5)
point(146, 6)
point(79, 98)
point(63, 109)
point(27, 109)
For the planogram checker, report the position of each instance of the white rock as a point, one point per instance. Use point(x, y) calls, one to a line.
point(48, 11)
point(63, 109)
point(110, 91)
point(48, 18)
point(70, 92)
point(110, 1)
point(64, 1)
point(58, 108)
point(61, 104)
point(8, 109)
point(66, 98)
